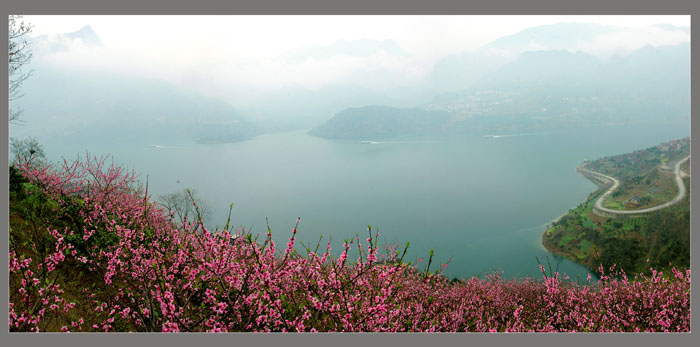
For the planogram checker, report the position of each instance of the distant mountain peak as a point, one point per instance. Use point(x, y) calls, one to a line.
point(50, 44)
point(87, 36)
point(559, 36)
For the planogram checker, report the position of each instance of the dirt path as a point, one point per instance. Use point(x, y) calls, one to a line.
point(616, 183)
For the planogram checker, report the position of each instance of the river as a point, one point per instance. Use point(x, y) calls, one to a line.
point(481, 202)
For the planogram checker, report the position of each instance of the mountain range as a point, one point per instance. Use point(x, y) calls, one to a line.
point(541, 77)
point(557, 88)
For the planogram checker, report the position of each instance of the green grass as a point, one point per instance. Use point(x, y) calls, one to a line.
point(612, 204)
point(584, 245)
point(549, 230)
point(565, 240)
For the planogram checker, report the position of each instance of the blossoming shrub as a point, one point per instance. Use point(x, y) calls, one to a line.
point(90, 252)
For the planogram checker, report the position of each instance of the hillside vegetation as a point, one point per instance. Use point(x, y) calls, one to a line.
point(89, 251)
point(381, 122)
point(537, 91)
point(660, 239)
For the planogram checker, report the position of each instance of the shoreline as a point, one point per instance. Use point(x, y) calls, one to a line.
point(590, 197)
point(604, 189)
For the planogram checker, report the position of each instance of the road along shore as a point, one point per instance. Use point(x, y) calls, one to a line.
point(602, 179)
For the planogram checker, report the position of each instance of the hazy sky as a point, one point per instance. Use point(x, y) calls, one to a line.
point(213, 53)
point(266, 36)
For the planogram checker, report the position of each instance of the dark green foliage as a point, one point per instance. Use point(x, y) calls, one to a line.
point(592, 235)
point(660, 239)
point(17, 182)
point(628, 254)
point(669, 237)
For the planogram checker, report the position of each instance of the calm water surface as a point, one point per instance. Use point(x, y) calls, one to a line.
point(481, 202)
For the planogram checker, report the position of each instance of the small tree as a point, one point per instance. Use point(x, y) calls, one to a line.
point(19, 54)
point(180, 204)
point(26, 150)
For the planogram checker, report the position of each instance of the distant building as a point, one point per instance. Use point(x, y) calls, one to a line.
point(633, 201)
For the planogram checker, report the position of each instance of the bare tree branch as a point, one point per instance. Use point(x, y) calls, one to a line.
point(180, 204)
point(19, 55)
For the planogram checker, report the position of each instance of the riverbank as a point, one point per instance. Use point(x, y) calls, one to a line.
point(591, 196)
point(552, 247)
point(650, 237)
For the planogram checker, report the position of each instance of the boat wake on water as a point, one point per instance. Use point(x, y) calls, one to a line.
point(163, 146)
point(391, 142)
point(512, 135)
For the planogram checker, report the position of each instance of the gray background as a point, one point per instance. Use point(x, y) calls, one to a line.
point(539, 7)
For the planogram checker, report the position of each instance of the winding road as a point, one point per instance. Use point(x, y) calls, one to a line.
point(616, 183)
